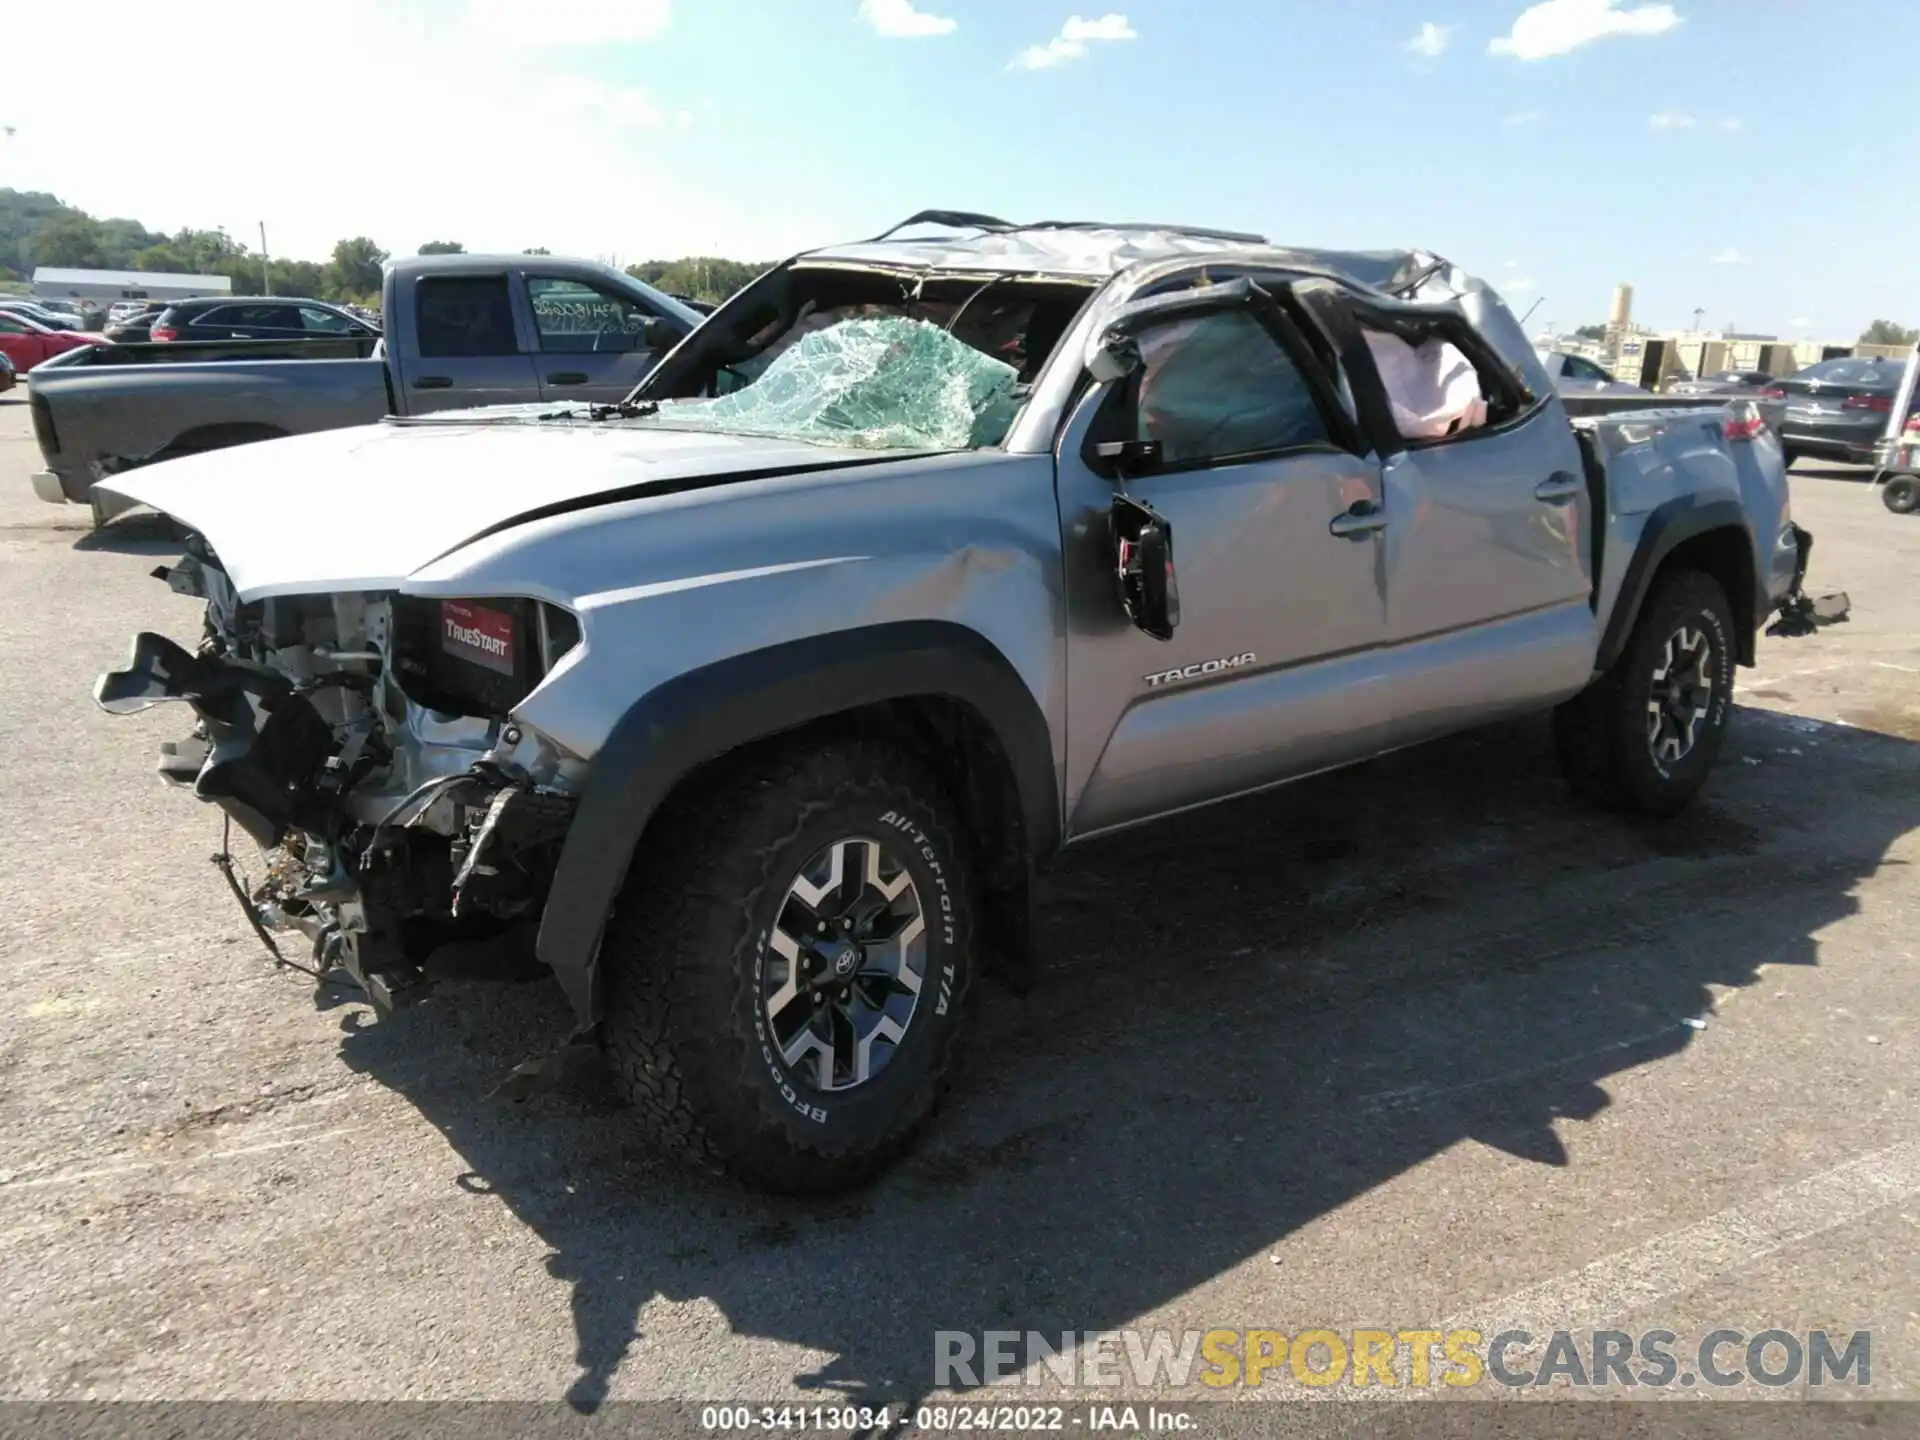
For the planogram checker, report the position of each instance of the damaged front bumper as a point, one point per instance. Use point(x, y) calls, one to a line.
point(393, 892)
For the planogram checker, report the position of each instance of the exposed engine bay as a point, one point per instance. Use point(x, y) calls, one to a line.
point(365, 742)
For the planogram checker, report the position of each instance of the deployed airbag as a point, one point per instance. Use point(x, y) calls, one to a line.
point(880, 382)
point(1432, 387)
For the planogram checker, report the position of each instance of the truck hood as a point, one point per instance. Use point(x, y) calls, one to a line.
point(362, 509)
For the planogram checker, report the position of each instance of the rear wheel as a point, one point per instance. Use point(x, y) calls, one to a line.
point(1901, 494)
point(788, 966)
point(1644, 736)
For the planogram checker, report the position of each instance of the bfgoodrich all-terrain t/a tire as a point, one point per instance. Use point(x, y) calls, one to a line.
point(1644, 736)
point(788, 966)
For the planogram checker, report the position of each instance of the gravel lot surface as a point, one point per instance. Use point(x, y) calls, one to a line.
point(1406, 1046)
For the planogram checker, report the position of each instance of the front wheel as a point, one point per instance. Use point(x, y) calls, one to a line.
point(1901, 494)
point(1644, 736)
point(788, 966)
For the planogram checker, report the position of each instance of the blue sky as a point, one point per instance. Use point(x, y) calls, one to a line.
point(1730, 155)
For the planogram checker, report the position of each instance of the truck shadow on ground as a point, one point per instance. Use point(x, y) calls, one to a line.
point(1251, 1016)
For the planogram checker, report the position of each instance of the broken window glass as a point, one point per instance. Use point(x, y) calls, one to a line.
point(871, 382)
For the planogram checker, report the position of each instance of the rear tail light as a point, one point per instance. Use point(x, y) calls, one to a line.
point(163, 332)
point(1749, 428)
point(1773, 392)
point(1881, 403)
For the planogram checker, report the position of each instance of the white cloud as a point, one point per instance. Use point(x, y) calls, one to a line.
point(1072, 41)
point(1521, 117)
point(613, 189)
point(1731, 123)
point(1558, 27)
point(1671, 120)
point(1432, 41)
point(1519, 286)
point(898, 20)
point(1729, 256)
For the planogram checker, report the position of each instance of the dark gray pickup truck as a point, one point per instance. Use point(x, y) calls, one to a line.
point(462, 331)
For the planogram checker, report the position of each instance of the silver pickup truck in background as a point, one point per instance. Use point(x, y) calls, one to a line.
point(461, 331)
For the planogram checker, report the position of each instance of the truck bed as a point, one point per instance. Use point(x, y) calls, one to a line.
point(94, 420)
point(1645, 452)
point(188, 352)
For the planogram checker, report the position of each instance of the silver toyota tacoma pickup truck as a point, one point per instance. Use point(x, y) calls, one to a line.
point(746, 708)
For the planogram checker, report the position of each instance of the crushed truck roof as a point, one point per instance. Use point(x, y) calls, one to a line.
point(1095, 250)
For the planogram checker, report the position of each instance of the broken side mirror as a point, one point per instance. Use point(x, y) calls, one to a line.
point(1143, 566)
point(1113, 358)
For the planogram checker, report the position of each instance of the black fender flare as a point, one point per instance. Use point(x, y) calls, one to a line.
point(1668, 527)
point(703, 714)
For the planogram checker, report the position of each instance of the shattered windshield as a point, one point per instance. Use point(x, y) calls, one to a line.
point(881, 382)
point(856, 357)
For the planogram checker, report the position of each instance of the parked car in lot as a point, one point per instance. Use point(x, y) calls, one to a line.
point(6, 372)
point(28, 342)
point(1837, 409)
point(253, 318)
point(759, 697)
point(465, 330)
point(1724, 382)
point(39, 314)
point(134, 327)
point(1577, 375)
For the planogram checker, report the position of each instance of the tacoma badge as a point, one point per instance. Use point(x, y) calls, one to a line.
point(1194, 672)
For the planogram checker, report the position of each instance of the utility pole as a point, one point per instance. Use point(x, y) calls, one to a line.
point(266, 279)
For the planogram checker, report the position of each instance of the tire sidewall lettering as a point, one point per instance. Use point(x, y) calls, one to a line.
point(1722, 702)
point(825, 1110)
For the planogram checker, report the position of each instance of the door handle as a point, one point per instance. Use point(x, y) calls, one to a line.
point(433, 382)
point(1557, 487)
point(1361, 521)
point(568, 377)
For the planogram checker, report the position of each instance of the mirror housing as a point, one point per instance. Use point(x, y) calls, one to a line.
point(1143, 567)
point(1113, 358)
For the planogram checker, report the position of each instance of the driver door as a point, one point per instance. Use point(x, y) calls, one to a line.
point(1275, 517)
point(592, 341)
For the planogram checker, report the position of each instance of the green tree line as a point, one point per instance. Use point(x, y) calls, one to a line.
point(38, 229)
point(1885, 332)
point(704, 277)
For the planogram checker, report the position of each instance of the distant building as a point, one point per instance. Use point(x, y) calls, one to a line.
point(1691, 353)
point(50, 282)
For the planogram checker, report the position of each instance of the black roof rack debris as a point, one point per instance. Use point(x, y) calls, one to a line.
point(969, 220)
